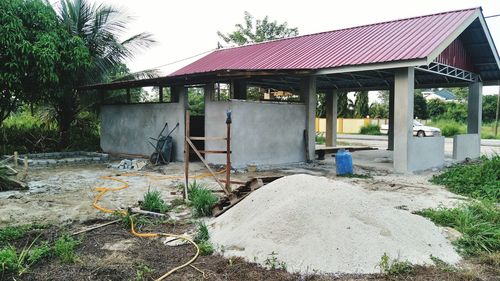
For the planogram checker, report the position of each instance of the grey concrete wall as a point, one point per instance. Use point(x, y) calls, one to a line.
point(263, 133)
point(126, 128)
point(425, 153)
point(466, 146)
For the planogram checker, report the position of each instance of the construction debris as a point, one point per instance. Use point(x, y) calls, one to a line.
point(127, 164)
point(311, 223)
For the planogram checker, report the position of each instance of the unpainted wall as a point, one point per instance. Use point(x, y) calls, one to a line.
point(262, 133)
point(126, 128)
point(425, 153)
point(466, 146)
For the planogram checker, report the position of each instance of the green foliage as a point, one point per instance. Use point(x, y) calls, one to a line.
point(257, 31)
point(37, 253)
point(153, 202)
point(420, 107)
point(395, 267)
point(196, 101)
point(273, 262)
point(201, 199)
point(361, 108)
point(478, 179)
point(479, 223)
point(18, 262)
point(142, 272)
point(9, 261)
point(206, 248)
point(489, 108)
point(64, 248)
point(370, 129)
point(448, 127)
point(379, 110)
point(32, 134)
point(345, 106)
point(320, 138)
point(450, 130)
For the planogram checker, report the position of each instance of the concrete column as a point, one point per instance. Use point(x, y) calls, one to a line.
point(404, 80)
point(390, 133)
point(309, 93)
point(331, 117)
point(174, 93)
point(240, 89)
point(209, 92)
point(474, 111)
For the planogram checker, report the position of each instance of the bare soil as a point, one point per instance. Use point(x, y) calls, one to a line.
point(97, 262)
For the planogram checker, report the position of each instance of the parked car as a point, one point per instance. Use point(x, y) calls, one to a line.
point(419, 130)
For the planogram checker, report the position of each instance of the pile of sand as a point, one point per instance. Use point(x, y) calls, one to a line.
point(317, 224)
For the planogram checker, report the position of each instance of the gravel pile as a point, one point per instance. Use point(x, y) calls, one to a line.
point(311, 223)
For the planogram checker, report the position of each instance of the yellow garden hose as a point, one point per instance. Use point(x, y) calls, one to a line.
point(102, 190)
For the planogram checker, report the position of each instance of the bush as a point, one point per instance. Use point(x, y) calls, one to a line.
point(395, 267)
point(479, 223)
point(370, 129)
point(449, 127)
point(478, 179)
point(320, 138)
point(202, 199)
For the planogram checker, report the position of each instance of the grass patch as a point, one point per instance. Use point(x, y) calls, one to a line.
point(11, 233)
point(12, 261)
point(395, 266)
point(479, 223)
point(479, 179)
point(154, 203)
point(201, 199)
point(64, 248)
point(370, 129)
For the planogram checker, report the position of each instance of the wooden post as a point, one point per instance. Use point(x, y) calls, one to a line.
point(129, 98)
point(16, 157)
point(25, 163)
point(228, 152)
point(186, 156)
point(160, 93)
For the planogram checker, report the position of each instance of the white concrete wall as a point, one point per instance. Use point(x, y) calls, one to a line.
point(466, 146)
point(425, 153)
point(264, 133)
point(126, 128)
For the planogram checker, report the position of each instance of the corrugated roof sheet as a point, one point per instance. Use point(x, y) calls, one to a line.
point(405, 39)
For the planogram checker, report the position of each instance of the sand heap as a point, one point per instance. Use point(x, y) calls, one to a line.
point(314, 223)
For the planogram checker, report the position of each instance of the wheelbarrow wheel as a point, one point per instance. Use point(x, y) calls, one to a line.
point(154, 158)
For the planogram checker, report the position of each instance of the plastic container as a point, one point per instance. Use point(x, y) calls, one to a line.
point(343, 161)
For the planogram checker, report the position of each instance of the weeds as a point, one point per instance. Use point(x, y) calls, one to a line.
point(11, 233)
point(64, 248)
point(154, 203)
point(142, 272)
point(320, 138)
point(478, 180)
point(273, 262)
point(18, 263)
point(201, 239)
point(395, 267)
point(202, 199)
point(479, 223)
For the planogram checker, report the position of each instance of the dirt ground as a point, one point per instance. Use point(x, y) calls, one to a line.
point(63, 196)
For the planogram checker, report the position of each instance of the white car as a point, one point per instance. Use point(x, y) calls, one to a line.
point(419, 130)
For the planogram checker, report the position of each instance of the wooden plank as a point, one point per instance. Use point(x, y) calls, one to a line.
point(212, 151)
point(206, 165)
point(207, 138)
point(186, 156)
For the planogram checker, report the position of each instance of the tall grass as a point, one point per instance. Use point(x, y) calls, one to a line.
point(154, 203)
point(201, 199)
point(479, 223)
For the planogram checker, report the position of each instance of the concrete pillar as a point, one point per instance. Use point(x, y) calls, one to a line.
point(309, 93)
point(331, 117)
point(240, 90)
point(474, 112)
point(175, 93)
point(390, 132)
point(209, 92)
point(404, 80)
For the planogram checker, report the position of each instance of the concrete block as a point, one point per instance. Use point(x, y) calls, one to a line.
point(425, 153)
point(466, 146)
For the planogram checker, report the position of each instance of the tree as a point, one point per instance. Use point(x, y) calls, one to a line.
point(257, 31)
point(100, 28)
point(436, 108)
point(489, 108)
point(361, 108)
point(33, 52)
point(345, 106)
point(379, 110)
point(420, 107)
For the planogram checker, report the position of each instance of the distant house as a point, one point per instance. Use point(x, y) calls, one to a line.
point(443, 95)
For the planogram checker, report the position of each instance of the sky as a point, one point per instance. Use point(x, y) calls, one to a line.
point(184, 28)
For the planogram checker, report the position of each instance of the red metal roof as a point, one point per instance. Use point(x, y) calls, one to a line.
point(405, 39)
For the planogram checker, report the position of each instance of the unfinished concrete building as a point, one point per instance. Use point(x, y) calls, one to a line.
point(451, 49)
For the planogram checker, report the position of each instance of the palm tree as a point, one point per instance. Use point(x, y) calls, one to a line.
point(99, 27)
